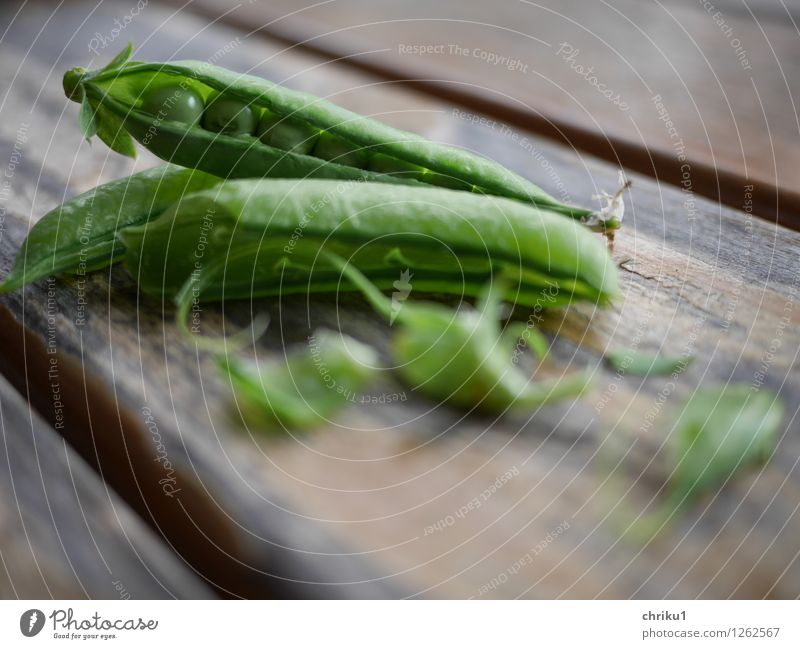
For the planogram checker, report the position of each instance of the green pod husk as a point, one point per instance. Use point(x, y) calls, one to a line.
point(266, 237)
point(461, 357)
point(80, 235)
point(115, 94)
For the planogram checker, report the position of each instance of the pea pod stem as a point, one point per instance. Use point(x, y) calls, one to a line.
point(460, 357)
point(190, 293)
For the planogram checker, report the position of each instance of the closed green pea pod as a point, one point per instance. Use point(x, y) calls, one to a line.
point(256, 238)
point(347, 141)
point(80, 235)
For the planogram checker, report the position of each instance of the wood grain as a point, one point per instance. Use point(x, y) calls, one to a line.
point(378, 502)
point(602, 77)
point(63, 533)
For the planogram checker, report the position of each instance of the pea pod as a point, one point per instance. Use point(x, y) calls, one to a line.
point(251, 238)
point(80, 235)
point(460, 357)
point(305, 388)
point(300, 135)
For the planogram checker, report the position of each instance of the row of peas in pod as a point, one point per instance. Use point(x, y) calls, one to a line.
point(226, 113)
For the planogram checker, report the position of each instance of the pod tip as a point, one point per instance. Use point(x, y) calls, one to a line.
point(72, 84)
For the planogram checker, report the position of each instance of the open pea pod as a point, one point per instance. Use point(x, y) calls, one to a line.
point(460, 357)
point(304, 388)
point(250, 238)
point(240, 126)
point(80, 235)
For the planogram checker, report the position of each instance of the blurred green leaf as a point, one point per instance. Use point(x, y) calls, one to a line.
point(719, 431)
point(633, 363)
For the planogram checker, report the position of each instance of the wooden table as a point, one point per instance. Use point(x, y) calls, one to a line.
point(143, 479)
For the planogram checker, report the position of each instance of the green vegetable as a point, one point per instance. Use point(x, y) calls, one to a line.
point(719, 431)
point(339, 150)
point(264, 237)
point(633, 363)
point(346, 141)
point(460, 357)
point(228, 114)
point(286, 133)
point(81, 234)
point(173, 103)
point(306, 387)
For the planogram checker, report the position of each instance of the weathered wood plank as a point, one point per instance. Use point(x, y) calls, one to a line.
point(63, 533)
point(381, 476)
point(587, 74)
point(236, 532)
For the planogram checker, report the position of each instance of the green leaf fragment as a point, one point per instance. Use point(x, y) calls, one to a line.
point(719, 431)
point(111, 131)
point(633, 363)
point(304, 389)
point(518, 335)
point(120, 59)
point(460, 357)
point(87, 120)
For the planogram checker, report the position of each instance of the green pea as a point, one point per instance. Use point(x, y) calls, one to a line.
point(336, 149)
point(286, 133)
point(230, 115)
point(175, 103)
